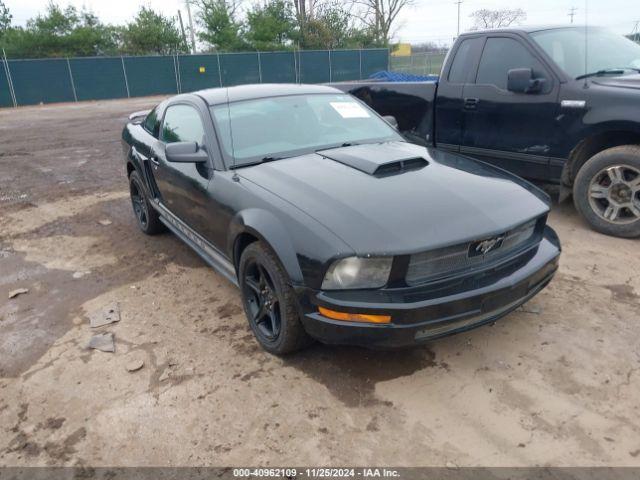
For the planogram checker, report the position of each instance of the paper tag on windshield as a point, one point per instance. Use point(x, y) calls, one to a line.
point(350, 109)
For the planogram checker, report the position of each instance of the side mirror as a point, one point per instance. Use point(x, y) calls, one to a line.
point(391, 120)
point(520, 80)
point(186, 152)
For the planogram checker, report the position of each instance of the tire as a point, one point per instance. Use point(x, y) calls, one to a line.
point(269, 301)
point(146, 216)
point(606, 191)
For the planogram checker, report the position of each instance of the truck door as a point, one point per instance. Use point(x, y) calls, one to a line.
point(449, 102)
point(514, 131)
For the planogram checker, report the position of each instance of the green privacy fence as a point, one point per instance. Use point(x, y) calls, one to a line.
point(31, 82)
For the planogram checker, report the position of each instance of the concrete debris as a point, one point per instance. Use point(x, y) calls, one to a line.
point(109, 314)
point(105, 342)
point(80, 274)
point(17, 291)
point(134, 365)
point(105, 222)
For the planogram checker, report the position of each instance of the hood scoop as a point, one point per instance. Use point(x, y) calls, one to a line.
point(377, 159)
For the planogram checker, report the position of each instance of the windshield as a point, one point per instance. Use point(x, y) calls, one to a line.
point(271, 128)
point(605, 50)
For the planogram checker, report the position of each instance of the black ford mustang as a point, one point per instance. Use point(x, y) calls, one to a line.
point(331, 224)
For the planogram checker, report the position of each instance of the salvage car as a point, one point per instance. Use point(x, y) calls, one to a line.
point(333, 226)
point(556, 105)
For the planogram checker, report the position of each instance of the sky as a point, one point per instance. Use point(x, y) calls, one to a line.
point(425, 21)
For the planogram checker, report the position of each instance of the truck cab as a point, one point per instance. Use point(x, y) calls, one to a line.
point(551, 104)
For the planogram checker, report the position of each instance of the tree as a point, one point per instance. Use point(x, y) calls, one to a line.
point(221, 29)
point(60, 33)
point(5, 18)
point(484, 19)
point(271, 26)
point(331, 27)
point(152, 32)
point(380, 17)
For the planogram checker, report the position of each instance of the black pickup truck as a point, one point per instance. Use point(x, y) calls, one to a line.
point(551, 104)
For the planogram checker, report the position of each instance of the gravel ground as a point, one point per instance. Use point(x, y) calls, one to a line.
point(555, 383)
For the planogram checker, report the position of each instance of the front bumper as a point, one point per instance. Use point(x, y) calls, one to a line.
point(431, 311)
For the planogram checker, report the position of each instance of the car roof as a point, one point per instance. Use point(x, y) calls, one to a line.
point(216, 96)
point(524, 29)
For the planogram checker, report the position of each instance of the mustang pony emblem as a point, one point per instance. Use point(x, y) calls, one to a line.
point(483, 247)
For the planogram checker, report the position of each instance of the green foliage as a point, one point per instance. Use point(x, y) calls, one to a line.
point(61, 33)
point(272, 26)
point(333, 27)
point(152, 32)
point(5, 18)
point(221, 29)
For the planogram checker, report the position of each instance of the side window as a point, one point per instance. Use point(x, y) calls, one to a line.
point(462, 62)
point(152, 123)
point(501, 55)
point(182, 123)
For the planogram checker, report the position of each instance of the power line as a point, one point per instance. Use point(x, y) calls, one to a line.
point(572, 12)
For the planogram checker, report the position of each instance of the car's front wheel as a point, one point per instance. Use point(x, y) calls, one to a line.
point(269, 301)
point(607, 191)
point(146, 216)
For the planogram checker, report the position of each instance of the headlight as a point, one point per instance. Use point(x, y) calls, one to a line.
point(356, 272)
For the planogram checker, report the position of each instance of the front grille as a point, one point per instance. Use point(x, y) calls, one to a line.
point(448, 261)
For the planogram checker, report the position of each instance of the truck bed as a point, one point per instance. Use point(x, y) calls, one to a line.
point(411, 103)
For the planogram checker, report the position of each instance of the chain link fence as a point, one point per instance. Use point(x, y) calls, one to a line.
point(32, 82)
point(427, 63)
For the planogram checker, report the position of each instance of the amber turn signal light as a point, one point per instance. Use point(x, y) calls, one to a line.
point(354, 317)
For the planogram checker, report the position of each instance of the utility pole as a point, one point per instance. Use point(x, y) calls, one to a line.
point(459, 2)
point(193, 36)
point(184, 37)
point(572, 13)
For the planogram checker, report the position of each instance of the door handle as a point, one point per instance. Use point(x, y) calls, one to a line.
point(471, 103)
point(154, 160)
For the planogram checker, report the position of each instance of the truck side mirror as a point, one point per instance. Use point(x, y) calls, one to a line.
point(186, 152)
point(391, 120)
point(520, 80)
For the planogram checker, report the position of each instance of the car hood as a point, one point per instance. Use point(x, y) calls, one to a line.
point(624, 81)
point(444, 200)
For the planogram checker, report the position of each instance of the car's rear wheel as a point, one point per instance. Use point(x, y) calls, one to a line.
point(269, 301)
point(147, 217)
point(607, 191)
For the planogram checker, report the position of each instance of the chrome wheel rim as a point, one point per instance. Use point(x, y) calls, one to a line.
point(139, 204)
point(614, 194)
point(262, 301)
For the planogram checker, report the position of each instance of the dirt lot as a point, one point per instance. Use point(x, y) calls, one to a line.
point(555, 383)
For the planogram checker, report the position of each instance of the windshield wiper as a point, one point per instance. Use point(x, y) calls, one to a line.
point(607, 71)
point(345, 144)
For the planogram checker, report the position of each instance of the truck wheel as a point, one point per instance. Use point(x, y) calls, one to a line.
point(147, 217)
point(607, 191)
point(269, 302)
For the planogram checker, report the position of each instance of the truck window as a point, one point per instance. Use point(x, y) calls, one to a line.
point(461, 64)
point(501, 55)
point(182, 123)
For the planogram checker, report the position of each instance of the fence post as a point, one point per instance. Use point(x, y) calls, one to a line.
point(360, 64)
point(219, 69)
point(126, 82)
point(330, 69)
point(73, 85)
point(295, 66)
point(175, 71)
point(259, 67)
point(12, 92)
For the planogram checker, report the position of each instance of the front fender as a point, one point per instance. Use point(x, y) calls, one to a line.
point(265, 226)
